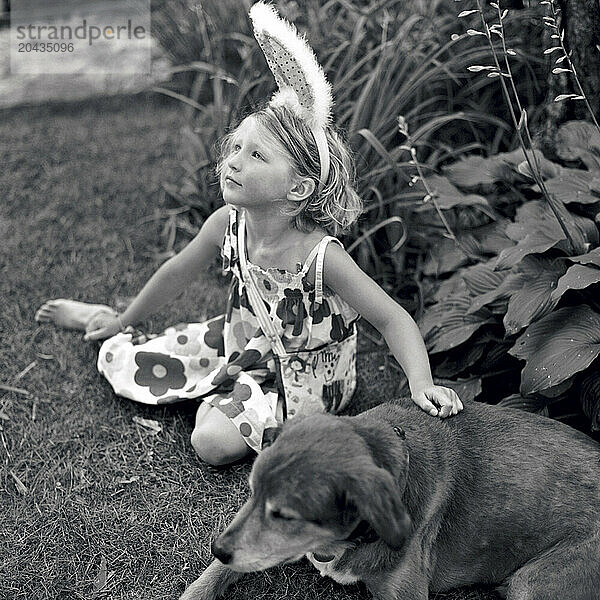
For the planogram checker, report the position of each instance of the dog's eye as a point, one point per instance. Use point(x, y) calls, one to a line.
point(277, 514)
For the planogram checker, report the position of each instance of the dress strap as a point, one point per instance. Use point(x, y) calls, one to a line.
point(319, 268)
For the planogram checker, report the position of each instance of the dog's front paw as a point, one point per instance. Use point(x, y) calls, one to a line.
point(212, 584)
point(199, 591)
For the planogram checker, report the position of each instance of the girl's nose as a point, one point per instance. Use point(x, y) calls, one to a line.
point(233, 162)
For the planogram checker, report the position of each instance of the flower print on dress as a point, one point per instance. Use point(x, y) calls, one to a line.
point(114, 356)
point(202, 364)
point(213, 337)
point(291, 310)
point(267, 287)
point(184, 342)
point(295, 367)
point(339, 331)
point(232, 404)
point(318, 311)
point(159, 372)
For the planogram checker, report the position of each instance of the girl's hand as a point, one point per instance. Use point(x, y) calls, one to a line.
point(101, 326)
point(434, 396)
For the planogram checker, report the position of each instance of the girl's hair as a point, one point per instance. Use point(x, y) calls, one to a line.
point(338, 205)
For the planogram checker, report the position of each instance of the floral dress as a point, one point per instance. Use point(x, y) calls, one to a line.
point(227, 361)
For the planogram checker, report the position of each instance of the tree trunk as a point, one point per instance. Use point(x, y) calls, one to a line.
point(580, 21)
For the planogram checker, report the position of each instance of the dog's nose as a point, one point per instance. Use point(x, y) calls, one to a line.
point(221, 553)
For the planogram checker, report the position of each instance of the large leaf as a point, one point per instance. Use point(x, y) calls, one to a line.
point(444, 257)
point(579, 139)
point(529, 404)
point(461, 359)
point(509, 284)
point(557, 346)
point(574, 186)
point(537, 230)
point(533, 297)
point(448, 324)
point(452, 286)
point(475, 171)
point(591, 258)
point(578, 277)
point(590, 398)
point(536, 242)
point(482, 278)
point(447, 195)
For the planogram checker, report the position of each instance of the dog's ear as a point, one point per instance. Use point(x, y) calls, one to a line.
point(270, 434)
point(378, 499)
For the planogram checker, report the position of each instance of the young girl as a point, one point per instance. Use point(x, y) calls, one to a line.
point(293, 284)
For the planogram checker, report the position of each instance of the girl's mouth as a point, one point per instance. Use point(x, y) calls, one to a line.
point(230, 179)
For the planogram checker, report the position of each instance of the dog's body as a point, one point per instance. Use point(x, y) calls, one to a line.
point(410, 504)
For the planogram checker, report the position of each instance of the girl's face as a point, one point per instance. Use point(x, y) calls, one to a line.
point(257, 170)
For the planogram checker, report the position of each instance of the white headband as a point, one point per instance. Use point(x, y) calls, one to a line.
point(301, 81)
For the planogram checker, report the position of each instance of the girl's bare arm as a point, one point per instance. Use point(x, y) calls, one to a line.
point(342, 275)
point(172, 277)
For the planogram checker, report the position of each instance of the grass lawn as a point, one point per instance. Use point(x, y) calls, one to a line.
point(95, 505)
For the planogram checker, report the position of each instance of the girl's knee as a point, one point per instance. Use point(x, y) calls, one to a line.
point(217, 447)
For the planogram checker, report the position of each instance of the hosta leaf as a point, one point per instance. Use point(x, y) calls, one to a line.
point(492, 238)
point(590, 398)
point(559, 390)
point(448, 324)
point(591, 258)
point(536, 230)
point(445, 257)
point(578, 277)
point(510, 283)
point(453, 365)
point(579, 139)
point(454, 285)
point(574, 186)
point(537, 242)
point(529, 404)
point(557, 346)
point(475, 171)
point(467, 389)
point(482, 278)
point(497, 357)
point(533, 299)
point(447, 195)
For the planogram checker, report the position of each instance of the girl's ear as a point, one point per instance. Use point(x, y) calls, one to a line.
point(301, 190)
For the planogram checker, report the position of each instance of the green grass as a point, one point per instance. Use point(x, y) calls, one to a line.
point(109, 510)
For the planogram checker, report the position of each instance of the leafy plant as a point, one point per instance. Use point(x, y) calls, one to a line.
point(521, 291)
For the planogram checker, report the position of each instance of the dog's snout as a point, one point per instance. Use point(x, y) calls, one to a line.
point(224, 555)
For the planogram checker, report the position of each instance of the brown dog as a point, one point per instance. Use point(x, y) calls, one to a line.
point(411, 505)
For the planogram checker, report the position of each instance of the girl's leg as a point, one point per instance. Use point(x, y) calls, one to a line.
point(69, 314)
point(216, 439)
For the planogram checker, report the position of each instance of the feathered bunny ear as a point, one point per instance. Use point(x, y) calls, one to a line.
point(301, 80)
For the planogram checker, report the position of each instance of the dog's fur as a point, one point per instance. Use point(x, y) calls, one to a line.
point(493, 495)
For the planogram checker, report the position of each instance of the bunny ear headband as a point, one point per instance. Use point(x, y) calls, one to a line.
point(302, 84)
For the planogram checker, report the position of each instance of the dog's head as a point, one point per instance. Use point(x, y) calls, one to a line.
point(310, 489)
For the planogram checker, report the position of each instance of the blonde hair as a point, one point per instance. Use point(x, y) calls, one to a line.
point(337, 206)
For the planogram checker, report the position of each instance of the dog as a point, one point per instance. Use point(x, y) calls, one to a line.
point(410, 505)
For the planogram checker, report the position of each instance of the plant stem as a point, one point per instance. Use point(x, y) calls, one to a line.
point(534, 167)
point(432, 194)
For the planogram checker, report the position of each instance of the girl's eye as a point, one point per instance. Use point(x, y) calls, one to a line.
point(236, 147)
point(257, 155)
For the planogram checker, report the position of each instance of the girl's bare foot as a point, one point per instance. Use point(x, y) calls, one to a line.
point(69, 314)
